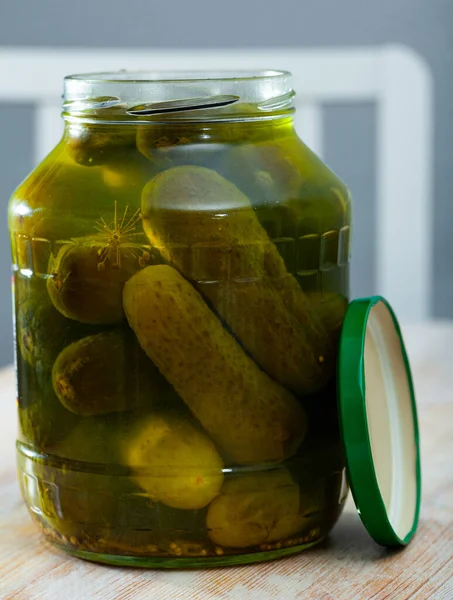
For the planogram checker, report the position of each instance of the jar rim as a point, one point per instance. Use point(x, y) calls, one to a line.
point(124, 76)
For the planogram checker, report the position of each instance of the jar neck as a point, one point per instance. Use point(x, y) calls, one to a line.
point(186, 97)
point(253, 130)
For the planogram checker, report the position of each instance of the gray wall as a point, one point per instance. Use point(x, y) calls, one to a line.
point(425, 25)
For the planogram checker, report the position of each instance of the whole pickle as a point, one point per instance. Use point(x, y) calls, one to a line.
point(250, 416)
point(256, 508)
point(86, 288)
point(208, 229)
point(105, 373)
point(177, 463)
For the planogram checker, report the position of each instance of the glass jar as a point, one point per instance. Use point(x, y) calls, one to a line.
point(181, 273)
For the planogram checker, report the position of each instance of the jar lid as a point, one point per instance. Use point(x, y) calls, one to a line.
point(379, 425)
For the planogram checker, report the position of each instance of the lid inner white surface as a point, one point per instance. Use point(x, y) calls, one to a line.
point(390, 420)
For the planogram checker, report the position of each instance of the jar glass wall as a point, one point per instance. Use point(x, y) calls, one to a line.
point(181, 273)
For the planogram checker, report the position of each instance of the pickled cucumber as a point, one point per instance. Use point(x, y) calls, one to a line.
point(216, 422)
point(176, 463)
point(105, 373)
point(207, 228)
point(85, 288)
point(251, 417)
point(256, 508)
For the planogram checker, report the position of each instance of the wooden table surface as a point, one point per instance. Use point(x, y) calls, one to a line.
point(349, 565)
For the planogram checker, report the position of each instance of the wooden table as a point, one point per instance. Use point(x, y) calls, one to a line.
point(348, 566)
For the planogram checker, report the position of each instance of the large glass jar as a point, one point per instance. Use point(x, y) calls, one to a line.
point(181, 272)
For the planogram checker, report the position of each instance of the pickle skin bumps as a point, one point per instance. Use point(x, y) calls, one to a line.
point(176, 463)
point(248, 415)
point(207, 228)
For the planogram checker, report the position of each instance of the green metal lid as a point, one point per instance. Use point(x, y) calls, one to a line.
point(379, 423)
